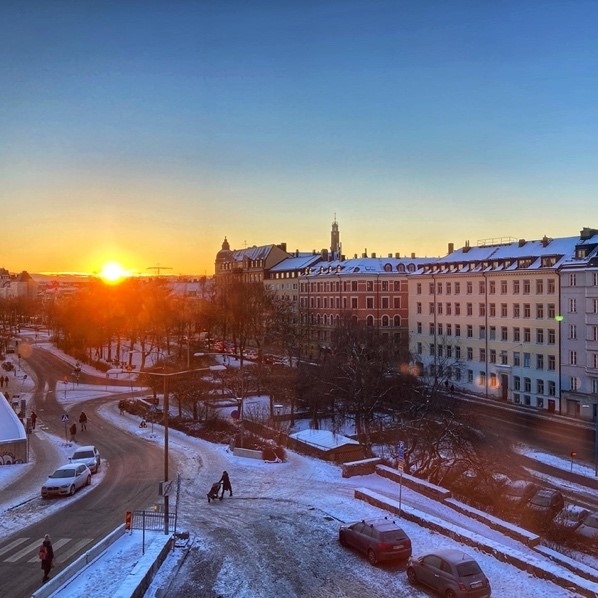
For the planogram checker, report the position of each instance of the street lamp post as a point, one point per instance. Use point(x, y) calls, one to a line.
point(166, 376)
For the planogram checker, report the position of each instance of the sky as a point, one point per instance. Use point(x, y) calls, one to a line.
point(146, 132)
point(308, 482)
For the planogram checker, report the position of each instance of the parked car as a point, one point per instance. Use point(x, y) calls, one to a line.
point(66, 480)
point(543, 506)
point(450, 572)
point(588, 529)
point(89, 455)
point(517, 492)
point(570, 518)
point(378, 539)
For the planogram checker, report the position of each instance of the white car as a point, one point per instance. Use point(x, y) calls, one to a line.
point(89, 455)
point(66, 480)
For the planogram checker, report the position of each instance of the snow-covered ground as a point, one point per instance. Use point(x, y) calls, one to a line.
point(302, 484)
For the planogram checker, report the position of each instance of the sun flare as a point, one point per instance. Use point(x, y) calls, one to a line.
point(113, 272)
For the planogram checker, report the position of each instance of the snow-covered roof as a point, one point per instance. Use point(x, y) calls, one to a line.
point(296, 263)
point(323, 439)
point(11, 427)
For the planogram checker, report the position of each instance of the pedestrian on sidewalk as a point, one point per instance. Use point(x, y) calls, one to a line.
point(73, 430)
point(46, 556)
point(226, 485)
point(33, 419)
point(83, 421)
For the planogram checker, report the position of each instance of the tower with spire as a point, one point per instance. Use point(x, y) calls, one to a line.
point(335, 242)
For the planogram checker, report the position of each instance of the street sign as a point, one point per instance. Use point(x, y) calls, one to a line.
point(64, 417)
point(166, 488)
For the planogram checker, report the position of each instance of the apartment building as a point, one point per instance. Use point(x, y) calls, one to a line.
point(489, 318)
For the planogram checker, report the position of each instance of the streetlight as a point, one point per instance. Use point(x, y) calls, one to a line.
point(166, 375)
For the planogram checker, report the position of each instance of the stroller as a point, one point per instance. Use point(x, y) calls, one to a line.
point(213, 493)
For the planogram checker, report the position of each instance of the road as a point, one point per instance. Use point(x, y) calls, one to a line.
point(130, 482)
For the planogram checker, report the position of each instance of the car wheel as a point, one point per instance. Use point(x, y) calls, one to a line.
point(72, 490)
point(411, 575)
point(88, 480)
point(372, 557)
point(450, 594)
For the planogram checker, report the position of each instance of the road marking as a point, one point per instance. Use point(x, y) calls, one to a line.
point(12, 545)
point(32, 548)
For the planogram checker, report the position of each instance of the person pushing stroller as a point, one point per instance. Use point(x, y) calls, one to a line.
point(226, 485)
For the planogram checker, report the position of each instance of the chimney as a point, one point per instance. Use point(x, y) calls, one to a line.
point(397, 255)
point(451, 248)
point(283, 246)
point(466, 248)
point(390, 255)
point(413, 255)
point(324, 254)
point(373, 255)
point(521, 242)
point(545, 241)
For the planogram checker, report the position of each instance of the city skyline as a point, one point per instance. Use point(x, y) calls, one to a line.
point(146, 134)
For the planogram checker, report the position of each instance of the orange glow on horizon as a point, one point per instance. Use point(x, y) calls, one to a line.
point(113, 273)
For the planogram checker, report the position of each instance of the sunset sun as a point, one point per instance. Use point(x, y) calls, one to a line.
point(113, 272)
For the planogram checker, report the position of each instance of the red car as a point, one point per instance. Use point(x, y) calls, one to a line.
point(378, 539)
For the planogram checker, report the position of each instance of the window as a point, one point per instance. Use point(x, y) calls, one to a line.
point(503, 287)
point(551, 388)
point(449, 330)
point(439, 329)
point(469, 287)
point(419, 328)
point(594, 333)
point(431, 308)
point(572, 280)
point(572, 305)
point(492, 287)
point(527, 385)
point(517, 335)
point(449, 310)
point(572, 357)
point(354, 302)
point(469, 354)
point(540, 387)
point(457, 352)
point(369, 301)
point(353, 286)
point(492, 356)
point(595, 306)
point(482, 287)
point(595, 278)
point(457, 309)
point(527, 360)
point(418, 308)
point(516, 310)
point(594, 385)
point(431, 288)
point(504, 358)
point(482, 332)
point(492, 308)
point(440, 350)
point(385, 303)
point(385, 285)
point(539, 287)
point(516, 383)
point(551, 286)
point(448, 288)
point(540, 336)
point(527, 310)
point(551, 336)
point(418, 288)
point(504, 333)
point(457, 329)
point(539, 311)
point(439, 307)
point(370, 286)
point(551, 363)
point(432, 349)
point(572, 331)
point(449, 351)
point(470, 376)
point(396, 302)
point(516, 359)
point(527, 335)
point(526, 286)
point(457, 288)
point(482, 378)
point(515, 287)
point(574, 382)
point(551, 311)
point(469, 331)
point(594, 360)
point(439, 288)
point(419, 348)
point(482, 310)
point(503, 310)
point(469, 309)
point(539, 361)
point(492, 333)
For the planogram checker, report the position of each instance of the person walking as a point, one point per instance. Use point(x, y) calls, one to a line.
point(83, 421)
point(73, 430)
point(226, 485)
point(46, 556)
point(33, 419)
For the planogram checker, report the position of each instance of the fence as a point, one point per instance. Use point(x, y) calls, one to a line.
point(152, 520)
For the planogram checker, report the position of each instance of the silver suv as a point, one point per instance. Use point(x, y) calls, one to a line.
point(89, 455)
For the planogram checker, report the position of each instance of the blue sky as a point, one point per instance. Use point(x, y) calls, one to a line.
point(147, 131)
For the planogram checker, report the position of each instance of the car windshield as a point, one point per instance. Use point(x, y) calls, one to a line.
point(541, 500)
point(468, 568)
point(63, 473)
point(83, 455)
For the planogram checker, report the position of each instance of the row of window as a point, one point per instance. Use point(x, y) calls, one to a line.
point(493, 333)
point(335, 320)
point(352, 286)
point(349, 302)
point(490, 310)
point(517, 286)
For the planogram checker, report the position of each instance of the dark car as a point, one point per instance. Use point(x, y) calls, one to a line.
point(543, 506)
point(450, 572)
point(378, 539)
